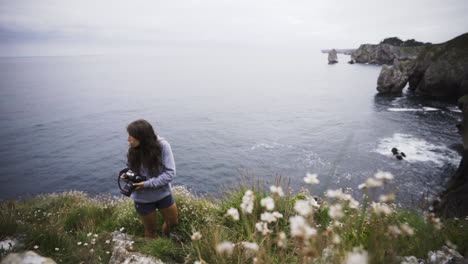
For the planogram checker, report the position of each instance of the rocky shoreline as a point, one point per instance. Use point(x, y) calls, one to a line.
point(437, 71)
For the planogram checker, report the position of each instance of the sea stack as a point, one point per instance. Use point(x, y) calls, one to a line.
point(332, 57)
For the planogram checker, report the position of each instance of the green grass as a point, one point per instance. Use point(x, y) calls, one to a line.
point(56, 223)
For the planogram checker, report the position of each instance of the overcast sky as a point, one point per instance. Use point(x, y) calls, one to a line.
point(63, 27)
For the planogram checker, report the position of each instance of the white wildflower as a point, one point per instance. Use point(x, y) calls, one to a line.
point(277, 215)
point(303, 207)
point(79, 243)
point(85, 244)
point(89, 234)
point(336, 211)
point(394, 230)
point(196, 236)
point(338, 194)
point(250, 246)
point(358, 256)
point(57, 249)
point(234, 213)
point(267, 217)
point(381, 209)
point(382, 175)
point(299, 228)
point(277, 190)
point(248, 202)
point(362, 186)
point(263, 228)
point(281, 240)
point(36, 246)
point(268, 203)
point(311, 179)
point(313, 202)
point(96, 235)
point(387, 198)
point(371, 182)
point(405, 228)
point(122, 229)
point(336, 239)
point(107, 241)
point(91, 250)
point(225, 247)
point(353, 204)
point(270, 217)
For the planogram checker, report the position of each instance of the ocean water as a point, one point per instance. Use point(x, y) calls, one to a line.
point(227, 114)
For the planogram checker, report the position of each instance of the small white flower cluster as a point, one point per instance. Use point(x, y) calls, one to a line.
point(389, 198)
point(281, 240)
point(196, 236)
point(277, 190)
point(379, 179)
point(381, 209)
point(404, 229)
point(270, 217)
point(357, 256)
point(268, 203)
point(311, 179)
point(247, 204)
point(225, 248)
point(336, 211)
point(263, 228)
point(339, 194)
point(300, 228)
point(233, 213)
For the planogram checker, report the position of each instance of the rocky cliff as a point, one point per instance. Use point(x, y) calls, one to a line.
point(387, 51)
point(439, 70)
point(454, 200)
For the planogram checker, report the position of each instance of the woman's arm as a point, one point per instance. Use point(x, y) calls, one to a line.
point(169, 169)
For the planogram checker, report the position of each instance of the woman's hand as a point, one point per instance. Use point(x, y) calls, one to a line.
point(139, 185)
point(122, 176)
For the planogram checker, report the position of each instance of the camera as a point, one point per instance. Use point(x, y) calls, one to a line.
point(132, 178)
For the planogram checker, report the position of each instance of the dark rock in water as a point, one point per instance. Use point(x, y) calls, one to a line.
point(332, 57)
point(351, 61)
point(398, 154)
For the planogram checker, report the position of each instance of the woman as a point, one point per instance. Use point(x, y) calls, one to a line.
point(151, 156)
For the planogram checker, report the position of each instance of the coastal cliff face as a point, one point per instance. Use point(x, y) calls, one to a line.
point(454, 200)
point(439, 70)
point(384, 53)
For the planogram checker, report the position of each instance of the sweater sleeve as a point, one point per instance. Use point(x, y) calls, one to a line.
point(169, 169)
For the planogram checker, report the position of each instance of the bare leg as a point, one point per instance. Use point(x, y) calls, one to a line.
point(171, 218)
point(149, 222)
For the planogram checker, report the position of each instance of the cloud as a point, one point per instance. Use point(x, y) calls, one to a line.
point(264, 22)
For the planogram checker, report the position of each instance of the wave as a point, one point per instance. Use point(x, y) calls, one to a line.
point(417, 150)
point(427, 109)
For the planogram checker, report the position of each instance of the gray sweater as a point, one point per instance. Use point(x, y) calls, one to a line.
point(157, 187)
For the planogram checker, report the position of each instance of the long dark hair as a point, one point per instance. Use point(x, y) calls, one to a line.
point(148, 153)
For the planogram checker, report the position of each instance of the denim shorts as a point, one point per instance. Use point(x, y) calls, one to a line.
point(147, 208)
